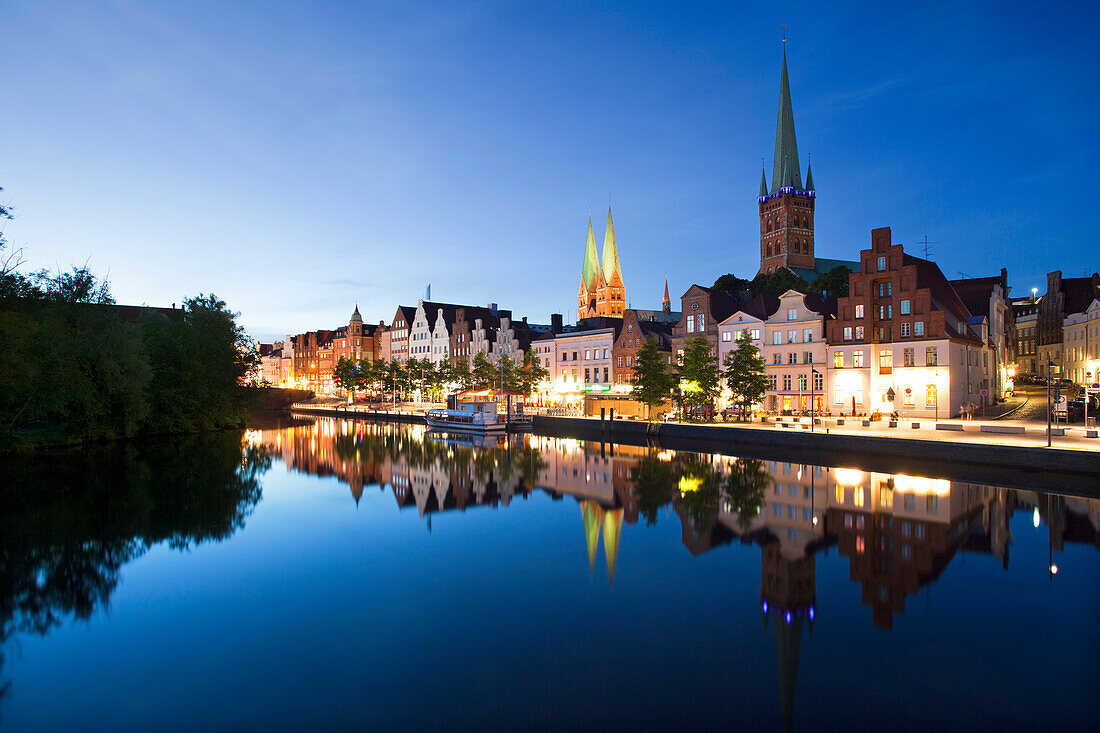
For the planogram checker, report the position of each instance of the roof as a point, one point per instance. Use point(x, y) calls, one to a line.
point(762, 306)
point(975, 292)
point(785, 169)
point(591, 260)
point(823, 265)
point(610, 251)
point(1079, 292)
point(930, 276)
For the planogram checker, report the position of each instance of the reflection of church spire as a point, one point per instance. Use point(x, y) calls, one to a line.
point(788, 648)
point(592, 514)
point(612, 528)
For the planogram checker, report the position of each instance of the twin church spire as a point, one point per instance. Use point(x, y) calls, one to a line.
point(602, 292)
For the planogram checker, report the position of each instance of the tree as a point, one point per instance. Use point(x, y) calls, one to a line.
point(368, 374)
point(652, 381)
point(460, 374)
point(745, 489)
point(346, 375)
point(778, 282)
point(484, 373)
point(730, 283)
point(531, 374)
point(699, 375)
point(745, 374)
point(834, 282)
point(653, 480)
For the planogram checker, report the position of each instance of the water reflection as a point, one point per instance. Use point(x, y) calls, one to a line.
point(70, 521)
point(898, 532)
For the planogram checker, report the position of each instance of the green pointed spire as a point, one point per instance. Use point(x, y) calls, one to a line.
point(610, 251)
point(591, 260)
point(763, 183)
point(355, 317)
point(786, 149)
point(809, 178)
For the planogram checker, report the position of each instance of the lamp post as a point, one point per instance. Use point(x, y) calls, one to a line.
point(813, 402)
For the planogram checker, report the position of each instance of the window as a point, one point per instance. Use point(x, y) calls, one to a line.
point(885, 312)
point(778, 510)
point(802, 383)
point(808, 336)
point(859, 311)
point(606, 371)
point(606, 353)
point(792, 358)
point(910, 502)
point(620, 363)
point(786, 382)
point(859, 333)
point(930, 356)
point(839, 395)
point(756, 334)
point(702, 323)
point(918, 328)
point(807, 357)
point(691, 324)
point(931, 399)
point(586, 375)
point(630, 328)
point(905, 307)
point(777, 338)
point(792, 314)
point(819, 382)
point(905, 329)
point(838, 359)
point(777, 358)
point(847, 333)
point(630, 361)
point(726, 336)
point(932, 504)
point(771, 381)
point(587, 354)
point(574, 356)
point(885, 289)
point(881, 264)
point(909, 357)
point(792, 337)
point(857, 359)
point(564, 355)
point(918, 530)
point(885, 359)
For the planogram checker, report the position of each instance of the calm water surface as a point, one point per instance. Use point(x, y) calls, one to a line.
point(360, 576)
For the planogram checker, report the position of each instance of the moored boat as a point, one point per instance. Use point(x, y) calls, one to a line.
point(469, 417)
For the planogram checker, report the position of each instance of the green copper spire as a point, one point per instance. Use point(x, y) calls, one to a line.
point(610, 251)
point(355, 317)
point(591, 260)
point(809, 178)
point(786, 150)
point(763, 183)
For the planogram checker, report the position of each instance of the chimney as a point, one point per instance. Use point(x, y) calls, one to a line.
point(555, 323)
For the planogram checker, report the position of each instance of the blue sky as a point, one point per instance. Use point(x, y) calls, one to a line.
point(296, 159)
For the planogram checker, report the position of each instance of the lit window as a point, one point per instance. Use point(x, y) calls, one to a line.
point(909, 357)
point(847, 333)
point(859, 311)
point(931, 358)
point(691, 324)
point(931, 399)
point(808, 335)
point(918, 328)
point(859, 333)
point(881, 264)
point(857, 359)
point(792, 337)
point(726, 336)
point(777, 338)
point(792, 314)
point(905, 307)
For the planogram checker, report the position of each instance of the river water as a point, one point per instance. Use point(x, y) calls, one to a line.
point(350, 575)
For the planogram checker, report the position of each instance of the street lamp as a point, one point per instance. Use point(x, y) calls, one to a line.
point(813, 402)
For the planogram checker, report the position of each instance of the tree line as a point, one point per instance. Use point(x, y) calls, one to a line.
point(696, 381)
point(75, 370)
point(379, 377)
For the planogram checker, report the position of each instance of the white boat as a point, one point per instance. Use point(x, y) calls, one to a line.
point(470, 417)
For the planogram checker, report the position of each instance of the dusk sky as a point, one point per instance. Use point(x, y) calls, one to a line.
point(298, 159)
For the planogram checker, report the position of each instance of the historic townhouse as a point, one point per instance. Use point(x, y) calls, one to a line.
point(702, 309)
point(1081, 345)
point(795, 352)
point(580, 362)
point(637, 328)
point(1064, 297)
point(396, 342)
point(987, 297)
point(748, 322)
point(903, 340)
point(1025, 335)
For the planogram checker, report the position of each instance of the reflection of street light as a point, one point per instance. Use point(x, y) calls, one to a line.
point(813, 403)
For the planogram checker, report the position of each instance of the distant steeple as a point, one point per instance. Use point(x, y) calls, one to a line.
point(666, 304)
point(763, 183)
point(786, 149)
point(610, 255)
point(591, 260)
point(810, 177)
point(355, 317)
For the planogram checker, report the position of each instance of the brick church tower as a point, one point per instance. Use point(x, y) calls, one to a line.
point(602, 292)
point(787, 209)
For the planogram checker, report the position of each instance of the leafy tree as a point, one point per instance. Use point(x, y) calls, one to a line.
point(531, 374)
point(745, 374)
point(778, 282)
point(834, 282)
point(78, 286)
point(346, 375)
point(461, 375)
point(484, 373)
point(730, 283)
point(699, 377)
point(368, 374)
point(652, 381)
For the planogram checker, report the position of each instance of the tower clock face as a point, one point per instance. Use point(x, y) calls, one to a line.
point(695, 306)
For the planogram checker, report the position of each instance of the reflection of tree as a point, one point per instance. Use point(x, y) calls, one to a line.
point(653, 481)
point(68, 523)
point(745, 489)
point(700, 489)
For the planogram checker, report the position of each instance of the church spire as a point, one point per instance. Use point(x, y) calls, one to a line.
point(610, 251)
point(591, 261)
point(763, 183)
point(786, 149)
point(810, 177)
point(666, 304)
